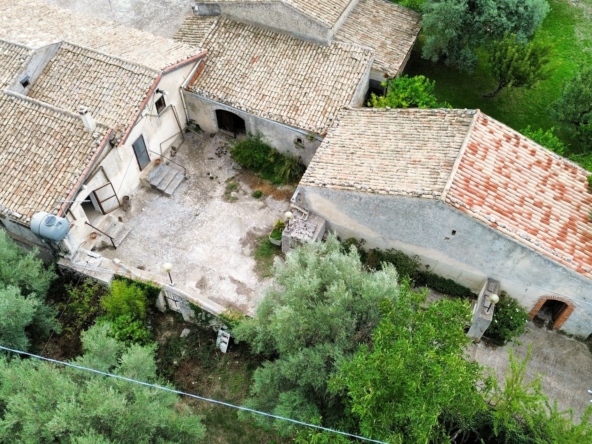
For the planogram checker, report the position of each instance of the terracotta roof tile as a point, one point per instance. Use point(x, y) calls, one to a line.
point(43, 152)
point(12, 60)
point(401, 151)
point(279, 77)
point(389, 29)
point(525, 191)
point(327, 12)
point(194, 29)
point(110, 88)
point(38, 24)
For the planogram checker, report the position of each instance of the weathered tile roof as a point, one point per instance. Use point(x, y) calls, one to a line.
point(327, 12)
point(43, 152)
point(279, 77)
point(525, 191)
point(110, 88)
point(195, 29)
point(12, 59)
point(389, 29)
point(38, 24)
point(401, 151)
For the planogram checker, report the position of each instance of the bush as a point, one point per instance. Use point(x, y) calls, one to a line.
point(548, 139)
point(129, 330)
point(406, 266)
point(256, 154)
point(408, 92)
point(83, 305)
point(257, 194)
point(509, 320)
point(125, 299)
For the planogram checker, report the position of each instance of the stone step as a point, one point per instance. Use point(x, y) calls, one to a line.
point(170, 189)
point(157, 174)
point(166, 180)
point(119, 233)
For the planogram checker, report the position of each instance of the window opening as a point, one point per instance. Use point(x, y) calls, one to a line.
point(160, 105)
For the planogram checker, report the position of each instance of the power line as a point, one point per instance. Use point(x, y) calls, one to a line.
point(191, 395)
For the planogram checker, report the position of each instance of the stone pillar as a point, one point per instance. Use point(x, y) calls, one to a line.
point(483, 311)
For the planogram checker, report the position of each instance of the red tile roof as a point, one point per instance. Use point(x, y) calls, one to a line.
point(525, 191)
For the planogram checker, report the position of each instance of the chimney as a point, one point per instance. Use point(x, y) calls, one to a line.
point(89, 123)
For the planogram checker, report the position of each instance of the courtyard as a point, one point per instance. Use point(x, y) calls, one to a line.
point(208, 229)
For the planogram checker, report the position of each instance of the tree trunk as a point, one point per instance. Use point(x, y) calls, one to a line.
point(493, 93)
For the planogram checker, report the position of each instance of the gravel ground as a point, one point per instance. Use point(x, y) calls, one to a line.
point(207, 238)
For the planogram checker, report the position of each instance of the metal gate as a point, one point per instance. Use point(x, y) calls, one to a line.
point(175, 302)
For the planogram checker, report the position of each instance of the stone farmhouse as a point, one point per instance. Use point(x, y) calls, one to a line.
point(285, 68)
point(471, 197)
point(87, 107)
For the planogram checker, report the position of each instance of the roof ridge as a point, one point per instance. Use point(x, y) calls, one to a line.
point(461, 153)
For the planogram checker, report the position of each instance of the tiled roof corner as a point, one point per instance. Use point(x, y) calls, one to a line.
point(527, 192)
point(408, 152)
point(43, 152)
point(38, 24)
point(388, 28)
point(281, 78)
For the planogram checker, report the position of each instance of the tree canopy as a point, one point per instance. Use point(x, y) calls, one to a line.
point(24, 282)
point(574, 107)
point(41, 403)
point(454, 29)
point(322, 307)
point(414, 384)
point(517, 64)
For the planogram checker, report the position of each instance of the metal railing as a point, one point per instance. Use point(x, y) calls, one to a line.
point(102, 232)
point(171, 160)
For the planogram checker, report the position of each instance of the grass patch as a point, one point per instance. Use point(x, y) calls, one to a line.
point(567, 28)
point(265, 252)
point(232, 186)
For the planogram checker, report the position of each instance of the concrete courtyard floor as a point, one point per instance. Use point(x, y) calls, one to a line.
point(207, 236)
point(564, 363)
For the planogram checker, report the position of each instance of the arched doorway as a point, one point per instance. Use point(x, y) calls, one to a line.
point(552, 311)
point(230, 123)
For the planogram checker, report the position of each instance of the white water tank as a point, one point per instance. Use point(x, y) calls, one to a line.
point(50, 227)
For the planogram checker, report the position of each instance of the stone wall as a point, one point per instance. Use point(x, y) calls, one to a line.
point(455, 246)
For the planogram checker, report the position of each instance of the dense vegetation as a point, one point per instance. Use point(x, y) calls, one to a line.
point(256, 154)
point(402, 379)
point(455, 49)
point(24, 282)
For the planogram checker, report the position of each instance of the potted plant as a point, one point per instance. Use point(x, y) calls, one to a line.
point(276, 234)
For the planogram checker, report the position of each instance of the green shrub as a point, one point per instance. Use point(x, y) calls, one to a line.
point(408, 92)
point(125, 299)
point(406, 266)
point(443, 285)
point(509, 320)
point(548, 139)
point(127, 329)
point(257, 194)
point(152, 291)
point(83, 305)
point(256, 154)
point(288, 169)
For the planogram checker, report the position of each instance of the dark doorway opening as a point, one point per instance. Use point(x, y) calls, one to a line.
point(549, 313)
point(230, 123)
point(374, 88)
